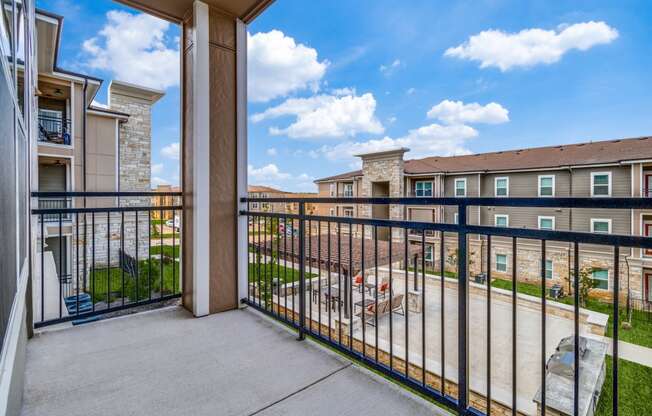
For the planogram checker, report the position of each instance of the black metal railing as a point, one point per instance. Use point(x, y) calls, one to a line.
point(54, 130)
point(371, 299)
point(110, 256)
point(55, 203)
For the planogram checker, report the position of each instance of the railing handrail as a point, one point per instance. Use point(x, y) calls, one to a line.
point(69, 194)
point(50, 118)
point(535, 202)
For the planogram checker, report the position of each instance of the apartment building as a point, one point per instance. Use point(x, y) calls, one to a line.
point(165, 201)
point(615, 168)
point(257, 191)
point(88, 147)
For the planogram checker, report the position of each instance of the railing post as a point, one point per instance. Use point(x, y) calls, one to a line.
point(463, 310)
point(302, 271)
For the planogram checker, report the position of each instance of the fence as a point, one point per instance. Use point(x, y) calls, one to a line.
point(338, 292)
point(110, 255)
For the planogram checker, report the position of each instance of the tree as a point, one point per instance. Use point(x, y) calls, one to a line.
point(586, 283)
point(452, 259)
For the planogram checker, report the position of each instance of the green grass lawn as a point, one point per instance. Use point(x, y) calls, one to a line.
point(97, 284)
point(635, 390)
point(640, 333)
point(168, 251)
point(269, 271)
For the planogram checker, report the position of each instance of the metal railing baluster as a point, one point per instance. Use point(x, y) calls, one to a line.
point(576, 340)
point(543, 328)
point(488, 324)
point(514, 327)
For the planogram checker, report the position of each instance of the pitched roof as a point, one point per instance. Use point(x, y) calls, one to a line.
point(260, 188)
point(347, 175)
point(590, 153)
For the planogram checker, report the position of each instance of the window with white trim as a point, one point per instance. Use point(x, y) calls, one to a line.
point(549, 269)
point(332, 212)
point(348, 189)
point(347, 212)
point(254, 205)
point(546, 185)
point(460, 187)
point(501, 262)
point(501, 220)
point(600, 278)
point(423, 188)
point(546, 223)
point(333, 189)
point(501, 186)
point(600, 183)
point(599, 225)
point(429, 253)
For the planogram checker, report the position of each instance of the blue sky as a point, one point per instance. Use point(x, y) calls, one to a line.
point(335, 78)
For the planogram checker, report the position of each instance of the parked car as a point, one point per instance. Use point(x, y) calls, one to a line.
point(176, 223)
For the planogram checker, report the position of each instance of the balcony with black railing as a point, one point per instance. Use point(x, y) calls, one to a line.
point(54, 130)
point(413, 310)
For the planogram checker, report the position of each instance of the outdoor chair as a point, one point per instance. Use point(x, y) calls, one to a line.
point(397, 304)
point(357, 282)
point(383, 289)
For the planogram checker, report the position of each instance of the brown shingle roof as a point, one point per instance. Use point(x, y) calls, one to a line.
point(259, 188)
point(612, 151)
point(347, 175)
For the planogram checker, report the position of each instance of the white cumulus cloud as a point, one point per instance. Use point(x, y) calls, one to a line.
point(171, 151)
point(133, 48)
point(271, 175)
point(456, 112)
point(389, 69)
point(530, 47)
point(278, 66)
point(325, 116)
point(157, 168)
point(272, 151)
point(430, 140)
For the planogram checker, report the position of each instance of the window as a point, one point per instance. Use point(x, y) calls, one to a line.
point(546, 223)
point(348, 212)
point(423, 188)
point(460, 187)
point(548, 269)
point(600, 278)
point(501, 186)
point(264, 206)
point(333, 187)
point(428, 254)
point(600, 183)
point(332, 212)
point(601, 226)
point(456, 218)
point(254, 205)
point(501, 220)
point(501, 262)
point(348, 189)
point(546, 185)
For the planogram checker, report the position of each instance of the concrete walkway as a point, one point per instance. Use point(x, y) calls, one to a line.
point(166, 362)
point(630, 352)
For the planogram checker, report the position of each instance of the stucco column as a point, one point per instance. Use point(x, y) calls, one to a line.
point(213, 157)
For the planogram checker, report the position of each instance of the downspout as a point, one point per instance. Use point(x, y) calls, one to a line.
point(84, 179)
point(84, 104)
point(570, 224)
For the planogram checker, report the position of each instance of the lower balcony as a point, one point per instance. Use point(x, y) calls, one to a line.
point(166, 362)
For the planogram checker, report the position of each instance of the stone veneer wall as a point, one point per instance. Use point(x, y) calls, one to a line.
point(390, 169)
point(528, 263)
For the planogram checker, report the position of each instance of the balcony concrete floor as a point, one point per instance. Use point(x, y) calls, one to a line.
point(166, 362)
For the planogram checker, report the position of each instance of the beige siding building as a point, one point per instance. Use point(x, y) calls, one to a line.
point(88, 147)
point(617, 168)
